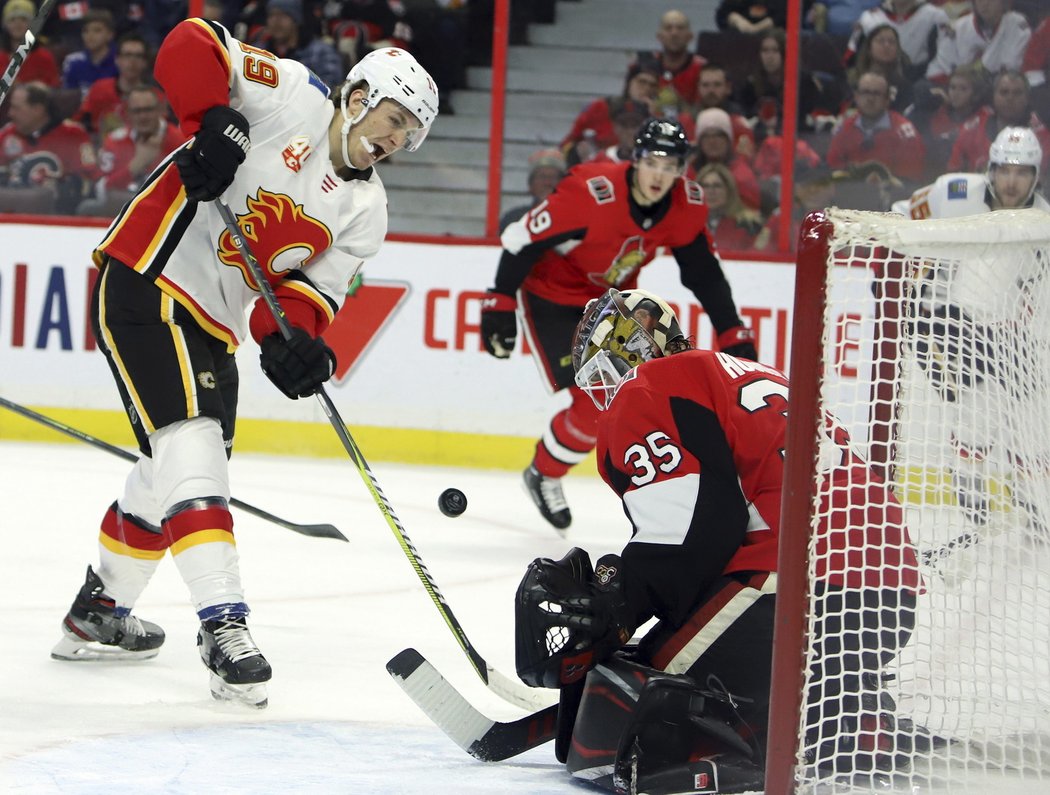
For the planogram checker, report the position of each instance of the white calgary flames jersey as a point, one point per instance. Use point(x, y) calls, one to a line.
point(309, 229)
point(953, 196)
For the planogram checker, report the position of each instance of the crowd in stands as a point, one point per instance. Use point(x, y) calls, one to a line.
point(86, 123)
point(891, 95)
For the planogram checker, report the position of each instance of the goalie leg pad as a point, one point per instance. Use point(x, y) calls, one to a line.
point(669, 735)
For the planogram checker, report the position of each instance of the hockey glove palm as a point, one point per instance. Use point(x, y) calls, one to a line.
point(208, 163)
point(738, 341)
point(298, 365)
point(499, 324)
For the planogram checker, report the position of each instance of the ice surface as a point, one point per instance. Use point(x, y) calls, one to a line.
point(328, 615)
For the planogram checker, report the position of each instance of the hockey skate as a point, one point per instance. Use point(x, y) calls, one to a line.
point(549, 498)
point(94, 629)
point(239, 672)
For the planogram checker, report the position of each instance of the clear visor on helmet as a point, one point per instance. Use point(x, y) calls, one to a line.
point(600, 375)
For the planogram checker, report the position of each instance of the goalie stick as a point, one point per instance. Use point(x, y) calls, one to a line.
point(498, 683)
point(313, 530)
point(22, 52)
point(479, 736)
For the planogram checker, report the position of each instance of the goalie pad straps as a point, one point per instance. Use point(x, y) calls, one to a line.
point(669, 735)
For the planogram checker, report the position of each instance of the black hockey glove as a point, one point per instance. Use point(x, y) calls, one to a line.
point(208, 163)
point(499, 324)
point(738, 341)
point(297, 366)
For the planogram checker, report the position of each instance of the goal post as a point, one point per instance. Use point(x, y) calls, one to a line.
point(929, 341)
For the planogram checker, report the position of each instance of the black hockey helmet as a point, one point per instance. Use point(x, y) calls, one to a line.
point(662, 137)
point(553, 621)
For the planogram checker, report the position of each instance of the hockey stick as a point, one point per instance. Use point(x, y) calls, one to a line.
point(499, 684)
point(313, 530)
point(479, 736)
point(22, 52)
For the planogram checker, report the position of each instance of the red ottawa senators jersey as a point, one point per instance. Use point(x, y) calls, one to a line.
point(694, 445)
point(594, 238)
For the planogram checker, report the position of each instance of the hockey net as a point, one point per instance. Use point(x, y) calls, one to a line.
point(930, 342)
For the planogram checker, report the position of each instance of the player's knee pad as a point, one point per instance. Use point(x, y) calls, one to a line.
point(189, 462)
point(639, 729)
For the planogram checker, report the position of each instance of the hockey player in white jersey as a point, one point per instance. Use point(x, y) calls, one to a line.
point(170, 306)
point(1010, 183)
point(965, 335)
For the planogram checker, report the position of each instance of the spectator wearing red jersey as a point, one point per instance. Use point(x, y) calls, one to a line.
point(39, 65)
point(733, 225)
point(593, 131)
point(939, 114)
point(130, 153)
point(45, 162)
point(678, 68)
point(104, 108)
point(714, 144)
point(874, 133)
point(1011, 107)
point(1036, 68)
point(992, 36)
point(714, 90)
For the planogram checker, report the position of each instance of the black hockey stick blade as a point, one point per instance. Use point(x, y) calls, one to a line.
point(478, 735)
point(313, 530)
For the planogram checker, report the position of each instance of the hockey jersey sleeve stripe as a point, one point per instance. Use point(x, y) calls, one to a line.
point(662, 511)
point(298, 282)
point(193, 67)
point(208, 323)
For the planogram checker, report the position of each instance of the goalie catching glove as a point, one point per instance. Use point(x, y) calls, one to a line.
point(569, 617)
point(499, 324)
point(297, 365)
point(208, 163)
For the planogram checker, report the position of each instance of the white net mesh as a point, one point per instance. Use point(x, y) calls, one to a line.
point(937, 360)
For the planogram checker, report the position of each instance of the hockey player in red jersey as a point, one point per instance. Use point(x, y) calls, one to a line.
point(601, 226)
point(692, 441)
point(171, 306)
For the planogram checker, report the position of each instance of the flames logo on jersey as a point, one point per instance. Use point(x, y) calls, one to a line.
point(280, 234)
point(625, 264)
point(35, 169)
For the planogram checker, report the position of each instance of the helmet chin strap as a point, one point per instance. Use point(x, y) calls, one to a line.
point(348, 123)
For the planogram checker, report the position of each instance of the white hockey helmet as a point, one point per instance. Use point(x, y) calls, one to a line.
point(392, 73)
point(618, 332)
point(1016, 146)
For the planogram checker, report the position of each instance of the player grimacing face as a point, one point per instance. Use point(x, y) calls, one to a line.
point(1012, 184)
point(654, 176)
point(385, 129)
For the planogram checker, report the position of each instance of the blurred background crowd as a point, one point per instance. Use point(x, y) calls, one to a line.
point(892, 93)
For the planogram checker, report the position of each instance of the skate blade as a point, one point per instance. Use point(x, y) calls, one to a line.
point(73, 649)
point(253, 695)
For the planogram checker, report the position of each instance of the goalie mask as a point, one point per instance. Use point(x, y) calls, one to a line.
point(1016, 146)
point(618, 332)
point(391, 73)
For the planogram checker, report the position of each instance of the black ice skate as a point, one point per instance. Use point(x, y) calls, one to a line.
point(239, 672)
point(549, 498)
point(93, 630)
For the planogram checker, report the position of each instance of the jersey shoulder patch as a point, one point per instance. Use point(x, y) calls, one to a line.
point(694, 194)
point(601, 188)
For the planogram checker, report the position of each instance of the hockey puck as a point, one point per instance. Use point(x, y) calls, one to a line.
point(452, 502)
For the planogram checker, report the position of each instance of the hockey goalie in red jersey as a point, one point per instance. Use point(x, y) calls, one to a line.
point(602, 224)
point(175, 298)
point(692, 441)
